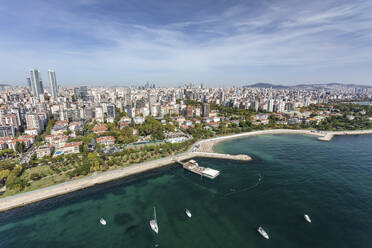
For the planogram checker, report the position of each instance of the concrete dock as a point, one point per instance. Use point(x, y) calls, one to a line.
point(194, 167)
point(240, 157)
point(329, 135)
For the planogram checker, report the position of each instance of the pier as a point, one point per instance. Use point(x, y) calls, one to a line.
point(194, 167)
point(239, 157)
point(329, 135)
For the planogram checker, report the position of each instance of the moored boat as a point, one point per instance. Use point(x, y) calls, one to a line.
point(188, 213)
point(102, 221)
point(263, 233)
point(307, 218)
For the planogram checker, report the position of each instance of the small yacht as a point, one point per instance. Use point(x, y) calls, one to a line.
point(307, 218)
point(263, 233)
point(102, 221)
point(188, 213)
point(154, 223)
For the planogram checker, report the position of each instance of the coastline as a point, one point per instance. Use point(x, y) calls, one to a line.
point(209, 144)
point(203, 148)
point(26, 198)
point(329, 136)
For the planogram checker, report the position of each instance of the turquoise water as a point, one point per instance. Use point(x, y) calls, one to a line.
point(290, 175)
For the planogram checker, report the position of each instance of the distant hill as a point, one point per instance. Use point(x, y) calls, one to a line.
point(266, 85)
point(318, 86)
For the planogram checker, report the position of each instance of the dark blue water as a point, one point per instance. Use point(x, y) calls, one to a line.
point(290, 175)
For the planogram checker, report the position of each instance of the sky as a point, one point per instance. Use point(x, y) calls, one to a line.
point(170, 42)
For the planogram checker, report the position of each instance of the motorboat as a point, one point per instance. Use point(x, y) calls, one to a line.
point(263, 233)
point(188, 213)
point(307, 218)
point(154, 223)
point(102, 221)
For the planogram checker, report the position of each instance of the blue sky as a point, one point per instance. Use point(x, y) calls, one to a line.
point(215, 42)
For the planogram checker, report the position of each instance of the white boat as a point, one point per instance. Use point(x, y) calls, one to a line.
point(102, 221)
point(154, 223)
point(263, 233)
point(188, 213)
point(307, 218)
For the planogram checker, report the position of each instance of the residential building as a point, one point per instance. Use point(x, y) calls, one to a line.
point(106, 140)
point(44, 150)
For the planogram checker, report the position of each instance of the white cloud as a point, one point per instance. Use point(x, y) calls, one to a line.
point(316, 34)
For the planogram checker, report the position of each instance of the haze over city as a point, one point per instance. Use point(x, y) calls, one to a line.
point(218, 43)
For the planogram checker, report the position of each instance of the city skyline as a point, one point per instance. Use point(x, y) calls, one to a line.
point(214, 43)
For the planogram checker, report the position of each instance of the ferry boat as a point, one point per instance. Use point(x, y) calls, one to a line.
point(188, 213)
point(307, 218)
point(102, 221)
point(154, 223)
point(263, 233)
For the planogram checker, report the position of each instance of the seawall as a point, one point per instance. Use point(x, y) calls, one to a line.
point(329, 135)
point(23, 199)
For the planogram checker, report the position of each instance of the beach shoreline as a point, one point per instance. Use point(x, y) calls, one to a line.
point(203, 148)
point(209, 145)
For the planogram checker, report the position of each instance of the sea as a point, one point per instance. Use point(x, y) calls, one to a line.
point(289, 176)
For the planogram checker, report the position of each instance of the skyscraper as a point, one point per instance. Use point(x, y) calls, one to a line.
point(83, 92)
point(205, 109)
point(53, 83)
point(29, 83)
point(36, 83)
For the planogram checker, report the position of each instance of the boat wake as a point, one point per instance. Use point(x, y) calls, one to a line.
point(234, 191)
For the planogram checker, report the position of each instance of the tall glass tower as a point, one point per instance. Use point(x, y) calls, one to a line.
point(53, 83)
point(36, 82)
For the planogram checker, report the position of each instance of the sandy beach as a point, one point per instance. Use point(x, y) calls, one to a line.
point(202, 148)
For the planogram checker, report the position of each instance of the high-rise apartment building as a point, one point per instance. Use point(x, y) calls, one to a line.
point(83, 92)
point(29, 83)
point(99, 114)
point(36, 82)
point(206, 109)
point(53, 83)
point(33, 121)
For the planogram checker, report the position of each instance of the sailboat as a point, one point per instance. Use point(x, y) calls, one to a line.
point(154, 223)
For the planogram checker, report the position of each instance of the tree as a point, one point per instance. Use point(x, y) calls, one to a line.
point(6, 153)
point(14, 181)
point(67, 132)
point(4, 174)
point(33, 157)
point(20, 147)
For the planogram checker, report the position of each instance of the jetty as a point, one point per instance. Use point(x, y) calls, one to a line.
point(239, 157)
point(329, 135)
point(194, 167)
